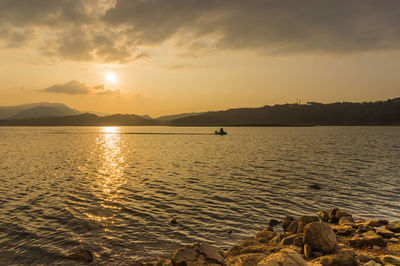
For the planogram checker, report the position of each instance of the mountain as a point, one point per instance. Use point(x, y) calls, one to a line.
point(310, 114)
point(340, 113)
point(177, 116)
point(36, 110)
point(85, 119)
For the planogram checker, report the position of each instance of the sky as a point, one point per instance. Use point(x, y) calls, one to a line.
point(160, 57)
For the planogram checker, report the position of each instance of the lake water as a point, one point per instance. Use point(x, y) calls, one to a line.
point(115, 193)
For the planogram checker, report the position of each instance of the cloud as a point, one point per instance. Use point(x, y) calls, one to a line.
point(116, 30)
point(75, 87)
point(72, 87)
point(109, 92)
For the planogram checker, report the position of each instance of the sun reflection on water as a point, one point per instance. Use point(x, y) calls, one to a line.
point(110, 175)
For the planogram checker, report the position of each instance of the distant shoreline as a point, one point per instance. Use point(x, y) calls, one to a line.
point(250, 125)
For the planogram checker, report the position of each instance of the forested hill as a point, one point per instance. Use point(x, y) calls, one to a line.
point(312, 113)
point(83, 120)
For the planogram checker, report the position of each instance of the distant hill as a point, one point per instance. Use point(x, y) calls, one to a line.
point(341, 113)
point(310, 114)
point(83, 120)
point(177, 116)
point(36, 110)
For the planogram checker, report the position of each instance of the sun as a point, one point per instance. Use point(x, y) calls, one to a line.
point(111, 77)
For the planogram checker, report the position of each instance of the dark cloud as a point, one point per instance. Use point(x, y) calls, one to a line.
point(114, 31)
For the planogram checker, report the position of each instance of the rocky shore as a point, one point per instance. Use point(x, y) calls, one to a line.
point(331, 237)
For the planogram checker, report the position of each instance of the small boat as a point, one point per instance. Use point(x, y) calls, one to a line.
point(220, 133)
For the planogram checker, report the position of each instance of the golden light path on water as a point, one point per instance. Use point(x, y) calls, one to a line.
point(110, 176)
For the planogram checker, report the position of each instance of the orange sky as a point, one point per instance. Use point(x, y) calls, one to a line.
point(172, 56)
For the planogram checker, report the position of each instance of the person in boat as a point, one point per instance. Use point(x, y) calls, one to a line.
point(221, 130)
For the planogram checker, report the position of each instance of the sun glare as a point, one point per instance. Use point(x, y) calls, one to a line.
point(111, 77)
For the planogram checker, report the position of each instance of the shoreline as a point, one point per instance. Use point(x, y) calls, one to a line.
point(327, 238)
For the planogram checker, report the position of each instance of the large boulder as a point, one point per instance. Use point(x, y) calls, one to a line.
point(304, 220)
point(197, 255)
point(320, 237)
point(287, 257)
point(394, 227)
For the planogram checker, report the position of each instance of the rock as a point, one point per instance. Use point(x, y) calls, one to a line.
point(293, 227)
point(315, 186)
point(229, 230)
point(365, 257)
point(173, 221)
point(385, 233)
point(395, 260)
point(367, 240)
point(362, 228)
point(376, 223)
point(307, 251)
point(196, 255)
point(323, 215)
point(372, 263)
point(276, 240)
point(288, 240)
point(81, 255)
point(394, 240)
point(320, 237)
point(246, 259)
point(393, 226)
point(344, 230)
point(332, 216)
point(346, 220)
point(273, 222)
point(287, 257)
point(286, 222)
point(317, 254)
point(337, 260)
point(304, 220)
point(296, 248)
point(264, 236)
point(298, 241)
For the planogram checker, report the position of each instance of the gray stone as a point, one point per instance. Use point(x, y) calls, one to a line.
point(196, 255)
point(320, 237)
point(337, 260)
point(287, 257)
point(372, 263)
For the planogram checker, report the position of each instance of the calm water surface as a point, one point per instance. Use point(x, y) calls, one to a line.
point(115, 193)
